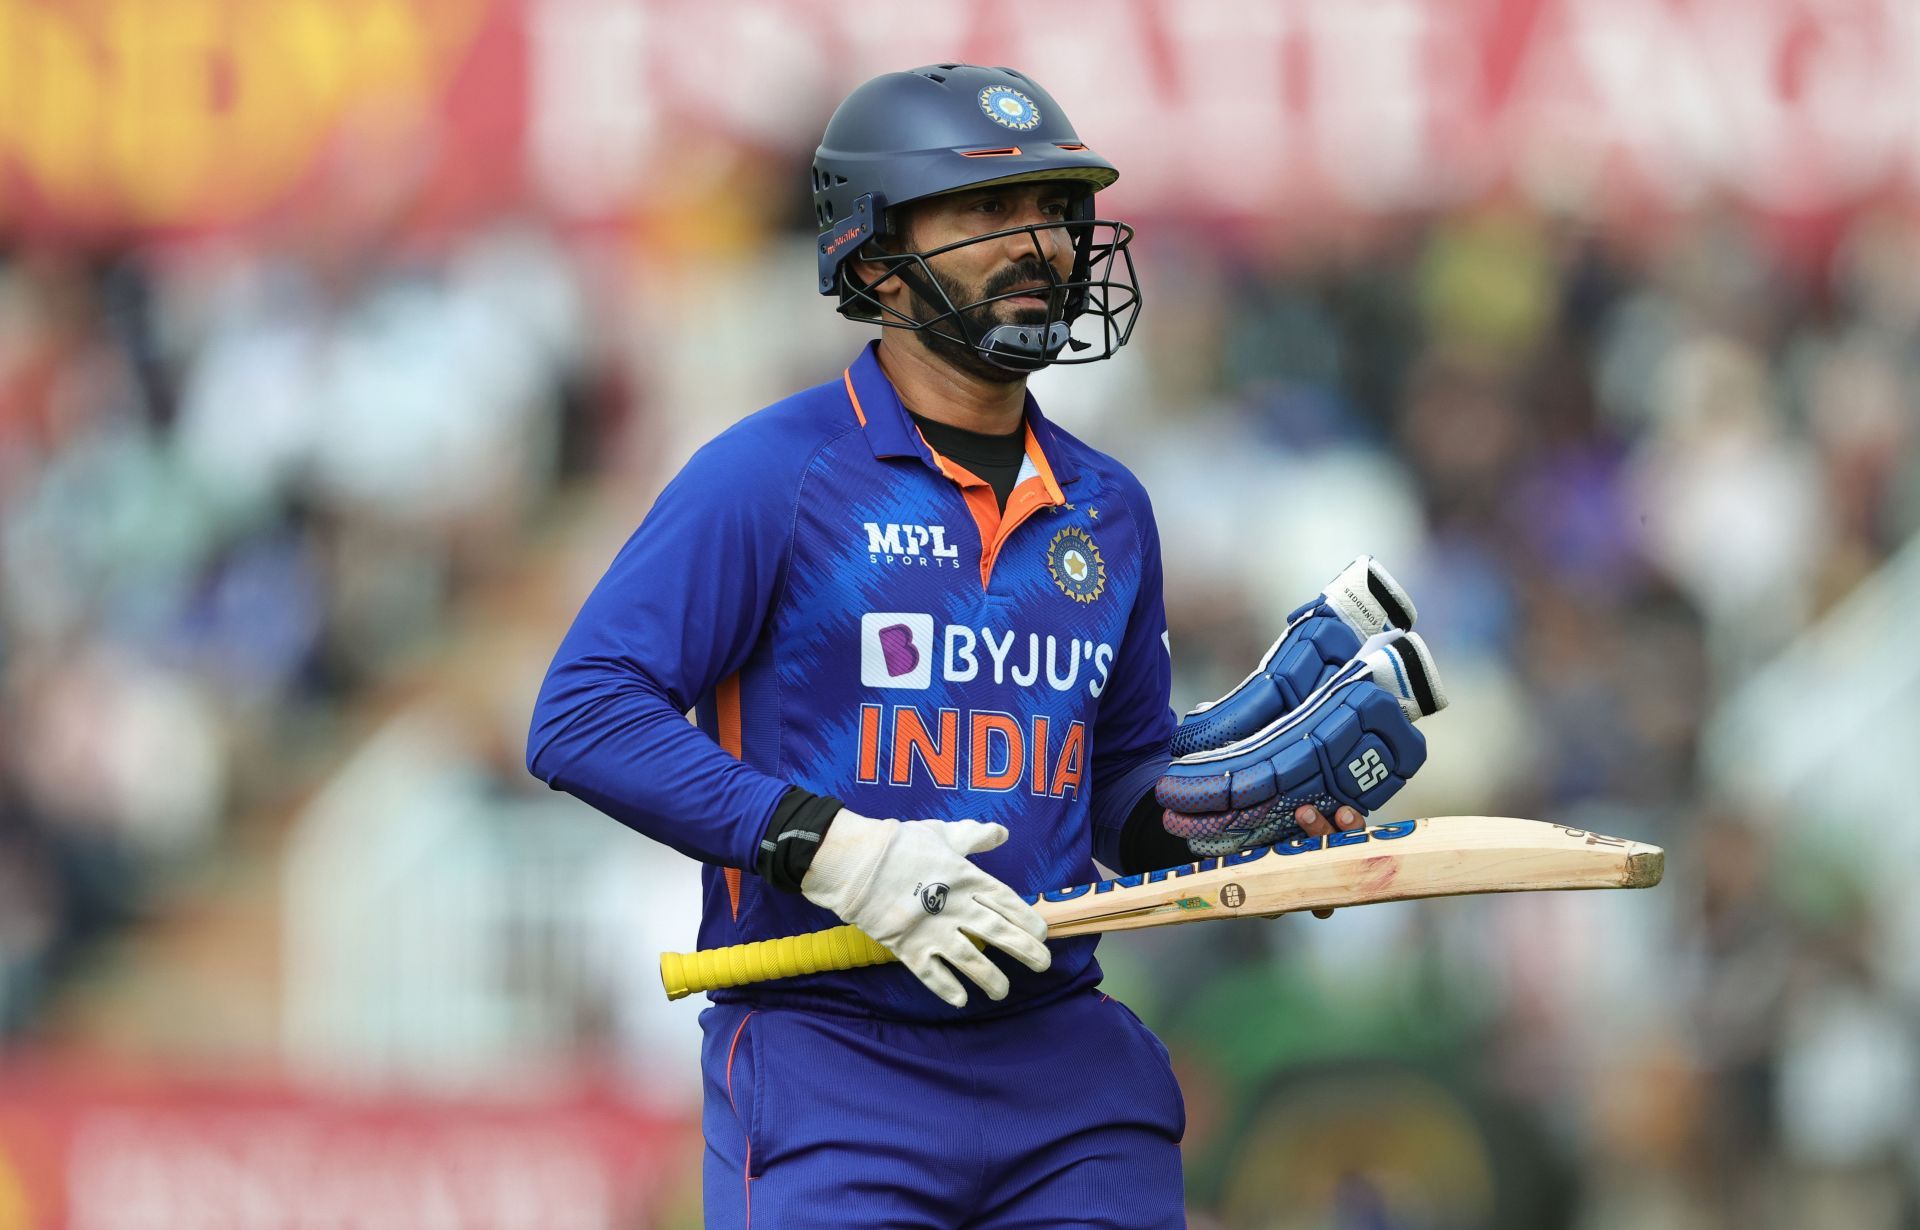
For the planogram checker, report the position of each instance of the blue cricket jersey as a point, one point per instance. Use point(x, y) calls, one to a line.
point(847, 611)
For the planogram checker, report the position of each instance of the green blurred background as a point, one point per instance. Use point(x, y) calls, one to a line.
point(342, 342)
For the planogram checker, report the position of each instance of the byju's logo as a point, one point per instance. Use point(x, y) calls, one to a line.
point(896, 649)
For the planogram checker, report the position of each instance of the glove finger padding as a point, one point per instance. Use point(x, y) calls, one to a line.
point(936, 977)
point(972, 962)
point(1321, 636)
point(1016, 910)
point(1012, 933)
point(1352, 744)
point(972, 836)
point(1263, 824)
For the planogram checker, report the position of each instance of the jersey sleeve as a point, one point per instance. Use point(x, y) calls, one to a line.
point(1133, 730)
point(678, 611)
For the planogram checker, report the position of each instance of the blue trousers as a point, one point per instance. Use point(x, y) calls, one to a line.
point(1065, 1115)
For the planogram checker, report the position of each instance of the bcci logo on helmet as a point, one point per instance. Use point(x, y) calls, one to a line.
point(1076, 565)
point(1009, 108)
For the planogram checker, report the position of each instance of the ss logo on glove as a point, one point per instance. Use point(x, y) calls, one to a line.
point(1367, 770)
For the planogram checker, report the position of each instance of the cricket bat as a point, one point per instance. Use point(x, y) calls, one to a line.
point(1444, 856)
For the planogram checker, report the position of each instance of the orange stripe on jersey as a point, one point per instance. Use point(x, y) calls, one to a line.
point(978, 492)
point(1039, 492)
point(1039, 460)
point(854, 397)
point(726, 704)
point(985, 507)
point(910, 739)
point(997, 525)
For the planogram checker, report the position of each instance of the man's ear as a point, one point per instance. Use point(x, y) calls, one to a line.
point(897, 234)
point(865, 271)
point(886, 294)
point(893, 237)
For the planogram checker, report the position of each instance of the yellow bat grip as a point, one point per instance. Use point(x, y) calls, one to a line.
point(836, 948)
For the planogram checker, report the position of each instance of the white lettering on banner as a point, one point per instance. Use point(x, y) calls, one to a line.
point(592, 120)
point(1657, 98)
point(1379, 101)
point(162, 1170)
point(1791, 103)
point(1230, 71)
point(1698, 95)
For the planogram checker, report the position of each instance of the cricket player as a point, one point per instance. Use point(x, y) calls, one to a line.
point(921, 630)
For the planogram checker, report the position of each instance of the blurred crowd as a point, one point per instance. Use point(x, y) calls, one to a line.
point(1619, 471)
point(240, 485)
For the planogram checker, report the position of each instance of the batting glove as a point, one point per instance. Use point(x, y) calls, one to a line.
point(1321, 636)
point(1352, 743)
point(908, 884)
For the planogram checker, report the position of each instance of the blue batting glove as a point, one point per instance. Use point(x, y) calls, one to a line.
point(1321, 637)
point(1352, 743)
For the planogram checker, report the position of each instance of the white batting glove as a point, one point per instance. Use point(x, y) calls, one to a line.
point(908, 884)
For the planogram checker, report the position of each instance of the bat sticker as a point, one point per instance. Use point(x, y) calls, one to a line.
point(1593, 839)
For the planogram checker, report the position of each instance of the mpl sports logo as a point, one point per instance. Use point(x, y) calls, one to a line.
point(922, 545)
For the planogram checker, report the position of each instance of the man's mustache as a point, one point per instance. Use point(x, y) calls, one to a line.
point(1026, 273)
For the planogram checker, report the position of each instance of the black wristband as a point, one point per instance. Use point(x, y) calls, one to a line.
point(1145, 844)
point(799, 821)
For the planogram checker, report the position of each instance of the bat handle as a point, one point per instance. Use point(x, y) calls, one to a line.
point(710, 969)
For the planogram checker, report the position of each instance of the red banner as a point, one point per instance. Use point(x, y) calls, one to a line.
point(76, 1155)
point(127, 114)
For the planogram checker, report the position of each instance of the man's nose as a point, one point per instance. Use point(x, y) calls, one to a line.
point(1051, 239)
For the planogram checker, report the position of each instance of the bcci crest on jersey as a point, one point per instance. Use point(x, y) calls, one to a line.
point(1076, 565)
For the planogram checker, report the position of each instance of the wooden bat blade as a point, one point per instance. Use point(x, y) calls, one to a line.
point(1440, 857)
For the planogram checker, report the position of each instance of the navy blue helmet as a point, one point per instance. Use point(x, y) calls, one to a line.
point(941, 128)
